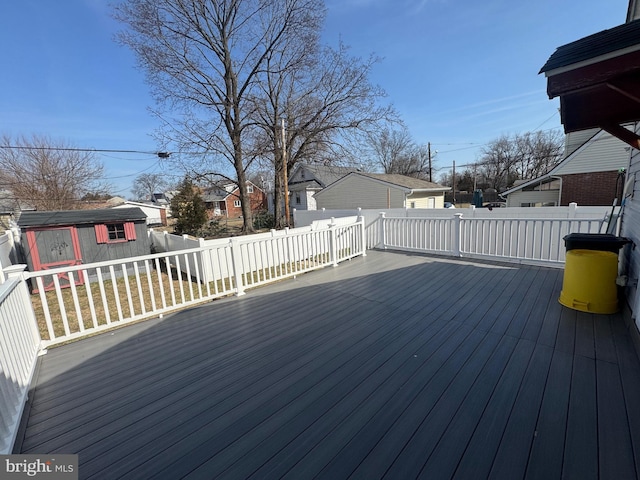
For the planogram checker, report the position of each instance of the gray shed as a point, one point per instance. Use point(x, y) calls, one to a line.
point(73, 237)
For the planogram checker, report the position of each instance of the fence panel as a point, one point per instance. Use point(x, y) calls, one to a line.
point(530, 240)
point(19, 347)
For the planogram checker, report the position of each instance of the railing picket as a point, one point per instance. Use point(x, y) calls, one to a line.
point(76, 303)
point(103, 296)
point(163, 297)
point(116, 292)
point(127, 288)
point(92, 307)
point(136, 272)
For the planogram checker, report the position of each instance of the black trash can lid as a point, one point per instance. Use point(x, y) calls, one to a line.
point(595, 241)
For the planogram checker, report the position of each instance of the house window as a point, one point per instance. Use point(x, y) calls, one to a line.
point(249, 188)
point(413, 204)
point(115, 232)
point(236, 203)
point(298, 199)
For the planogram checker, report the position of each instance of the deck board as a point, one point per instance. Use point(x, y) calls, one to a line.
point(390, 366)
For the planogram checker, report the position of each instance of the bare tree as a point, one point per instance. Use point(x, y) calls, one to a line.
point(204, 60)
point(523, 156)
point(146, 184)
point(47, 174)
point(396, 152)
point(312, 98)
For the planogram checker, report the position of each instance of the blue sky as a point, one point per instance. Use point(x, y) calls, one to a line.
point(461, 73)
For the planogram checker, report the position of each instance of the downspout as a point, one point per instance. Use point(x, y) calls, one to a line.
point(559, 190)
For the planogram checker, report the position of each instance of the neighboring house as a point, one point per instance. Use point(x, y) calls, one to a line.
point(598, 81)
point(156, 214)
point(224, 201)
point(163, 198)
point(588, 174)
point(74, 237)
point(113, 201)
point(10, 207)
point(378, 190)
point(307, 180)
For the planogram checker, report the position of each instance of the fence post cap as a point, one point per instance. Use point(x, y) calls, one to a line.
point(12, 270)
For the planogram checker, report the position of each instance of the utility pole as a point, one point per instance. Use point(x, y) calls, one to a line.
point(453, 181)
point(285, 174)
point(429, 155)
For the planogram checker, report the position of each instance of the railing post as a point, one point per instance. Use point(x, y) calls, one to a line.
point(573, 207)
point(456, 240)
point(333, 247)
point(236, 256)
point(382, 239)
point(363, 233)
point(166, 241)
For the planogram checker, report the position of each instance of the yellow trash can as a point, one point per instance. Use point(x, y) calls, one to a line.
point(589, 282)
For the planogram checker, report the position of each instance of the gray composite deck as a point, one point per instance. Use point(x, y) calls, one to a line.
point(389, 366)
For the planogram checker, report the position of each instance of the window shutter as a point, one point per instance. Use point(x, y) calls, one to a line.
point(102, 236)
point(130, 231)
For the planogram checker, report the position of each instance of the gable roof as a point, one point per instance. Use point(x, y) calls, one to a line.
point(404, 181)
point(323, 175)
point(608, 43)
point(80, 217)
point(220, 193)
point(598, 81)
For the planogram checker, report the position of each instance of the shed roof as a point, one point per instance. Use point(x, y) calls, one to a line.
point(80, 217)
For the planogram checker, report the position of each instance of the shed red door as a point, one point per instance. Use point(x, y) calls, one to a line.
point(54, 248)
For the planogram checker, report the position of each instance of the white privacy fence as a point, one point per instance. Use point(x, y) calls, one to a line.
point(19, 347)
point(371, 216)
point(531, 240)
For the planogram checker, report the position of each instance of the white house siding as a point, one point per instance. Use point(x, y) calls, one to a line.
point(426, 200)
point(516, 199)
point(310, 199)
point(358, 191)
point(631, 229)
point(575, 140)
point(590, 157)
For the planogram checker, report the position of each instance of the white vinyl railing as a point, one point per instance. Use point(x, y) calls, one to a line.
point(76, 301)
point(19, 347)
point(530, 240)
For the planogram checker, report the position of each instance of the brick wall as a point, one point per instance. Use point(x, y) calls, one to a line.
point(588, 189)
point(258, 202)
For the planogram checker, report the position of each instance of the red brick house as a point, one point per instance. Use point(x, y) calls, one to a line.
point(224, 201)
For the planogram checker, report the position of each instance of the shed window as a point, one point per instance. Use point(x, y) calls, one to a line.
point(115, 232)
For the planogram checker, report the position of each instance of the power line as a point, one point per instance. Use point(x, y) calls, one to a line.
point(88, 150)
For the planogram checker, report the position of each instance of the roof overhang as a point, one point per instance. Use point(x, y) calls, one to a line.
point(429, 190)
point(598, 81)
